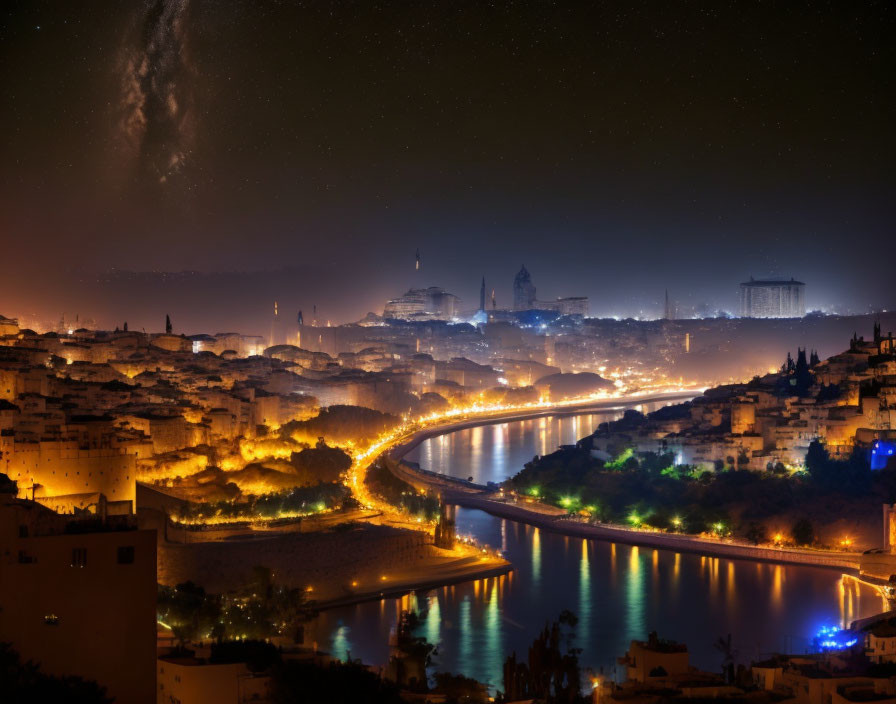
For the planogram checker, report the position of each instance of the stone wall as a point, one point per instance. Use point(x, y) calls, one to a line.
point(327, 561)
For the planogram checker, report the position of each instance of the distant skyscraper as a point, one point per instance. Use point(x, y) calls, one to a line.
point(417, 261)
point(523, 291)
point(670, 312)
point(772, 299)
point(482, 295)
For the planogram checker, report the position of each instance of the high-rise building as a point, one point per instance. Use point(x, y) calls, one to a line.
point(482, 295)
point(769, 298)
point(523, 291)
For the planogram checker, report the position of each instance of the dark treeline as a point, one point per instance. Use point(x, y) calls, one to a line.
point(647, 488)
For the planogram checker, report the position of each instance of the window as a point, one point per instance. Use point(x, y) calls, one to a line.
point(79, 557)
point(23, 531)
point(25, 558)
point(125, 554)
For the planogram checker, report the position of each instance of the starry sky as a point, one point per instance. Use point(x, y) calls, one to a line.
point(310, 148)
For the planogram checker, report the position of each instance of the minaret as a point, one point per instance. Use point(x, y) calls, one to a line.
point(482, 295)
point(273, 325)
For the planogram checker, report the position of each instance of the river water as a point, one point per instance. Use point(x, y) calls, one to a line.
point(618, 592)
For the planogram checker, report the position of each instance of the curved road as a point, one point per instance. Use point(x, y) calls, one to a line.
point(469, 495)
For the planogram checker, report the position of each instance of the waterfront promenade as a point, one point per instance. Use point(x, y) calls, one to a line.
point(469, 495)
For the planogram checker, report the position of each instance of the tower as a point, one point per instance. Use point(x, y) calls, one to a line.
point(274, 322)
point(523, 291)
point(482, 295)
point(417, 260)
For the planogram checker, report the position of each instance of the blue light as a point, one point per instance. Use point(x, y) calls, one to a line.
point(833, 638)
point(881, 452)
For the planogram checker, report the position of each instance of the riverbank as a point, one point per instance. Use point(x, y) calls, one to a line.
point(469, 495)
point(403, 447)
point(547, 519)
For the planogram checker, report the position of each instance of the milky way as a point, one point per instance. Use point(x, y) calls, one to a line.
point(157, 116)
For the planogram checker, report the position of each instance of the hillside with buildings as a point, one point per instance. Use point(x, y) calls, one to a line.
point(813, 442)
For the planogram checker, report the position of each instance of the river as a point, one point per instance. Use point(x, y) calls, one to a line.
point(618, 592)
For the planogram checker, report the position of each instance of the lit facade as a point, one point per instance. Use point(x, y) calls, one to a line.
point(431, 303)
point(772, 299)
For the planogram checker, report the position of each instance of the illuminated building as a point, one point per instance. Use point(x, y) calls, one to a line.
point(772, 299)
point(433, 303)
point(8, 326)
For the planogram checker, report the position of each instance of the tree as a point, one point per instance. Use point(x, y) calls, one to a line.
point(302, 682)
point(7, 485)
point(803, 532)
point(551, 675)
point(191, 613)
point(168, 327)
point(24, 682)
point(853, 475)
point(756, 534)
point(724, 646)
point(459, 689)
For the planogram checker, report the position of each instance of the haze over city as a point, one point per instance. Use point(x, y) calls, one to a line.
point(617, 151)
point(447, 353)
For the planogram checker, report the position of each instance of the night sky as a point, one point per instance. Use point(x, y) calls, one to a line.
point(616, 150)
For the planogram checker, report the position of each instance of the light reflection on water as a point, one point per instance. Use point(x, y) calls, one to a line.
point(619, 592)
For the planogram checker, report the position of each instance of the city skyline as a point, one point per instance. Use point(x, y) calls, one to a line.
point(618, 152)
point(193, 298)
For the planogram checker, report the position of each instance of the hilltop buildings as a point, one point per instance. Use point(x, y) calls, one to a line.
point(846, 400)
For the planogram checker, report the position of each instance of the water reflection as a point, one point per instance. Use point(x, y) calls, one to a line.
point(493, 652)
point(433, 622)
point(618, 592)
point(536, 556)
point(493, 453)
point(585, 596)
point(634, 596)
point(465, 649)
point(340, 646)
